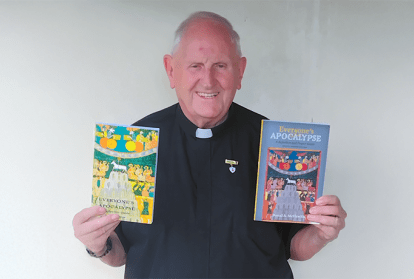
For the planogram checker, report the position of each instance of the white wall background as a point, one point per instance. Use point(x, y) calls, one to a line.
point(65, 65)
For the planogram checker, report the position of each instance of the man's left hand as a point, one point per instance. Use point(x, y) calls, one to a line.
point(330, 215)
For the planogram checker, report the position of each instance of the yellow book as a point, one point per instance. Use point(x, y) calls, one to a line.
point(124, 168)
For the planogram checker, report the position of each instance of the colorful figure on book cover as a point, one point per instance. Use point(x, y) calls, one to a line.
point(291, 185)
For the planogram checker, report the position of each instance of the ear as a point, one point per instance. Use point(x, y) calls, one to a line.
point(169, 69)
point(242, 67)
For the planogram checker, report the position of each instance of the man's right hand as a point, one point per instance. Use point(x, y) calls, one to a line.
point(92, 227)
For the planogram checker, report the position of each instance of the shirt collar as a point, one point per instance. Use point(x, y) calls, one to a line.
point(191, 129)
point(204, 133)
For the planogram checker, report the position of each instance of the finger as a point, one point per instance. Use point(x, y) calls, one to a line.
point(328, 199)
point(323, 220)
point(97, 224)
point(103, 233)
point(87, 213)
point(328, 221)
point(328, 210)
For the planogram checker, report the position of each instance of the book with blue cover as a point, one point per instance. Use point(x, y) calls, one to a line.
point(290, 176)
point(124, 168)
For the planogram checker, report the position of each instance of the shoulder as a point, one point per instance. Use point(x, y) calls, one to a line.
point(160, 118)
point(246, 117)
point(247, 113)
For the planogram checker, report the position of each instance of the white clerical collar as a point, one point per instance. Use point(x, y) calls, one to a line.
point(204, 133)
point(208, 133)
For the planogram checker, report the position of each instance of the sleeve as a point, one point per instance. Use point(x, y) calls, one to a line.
point(287, 231)
point(122, 238)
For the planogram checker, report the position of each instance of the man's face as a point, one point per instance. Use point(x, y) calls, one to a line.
point(205, 72)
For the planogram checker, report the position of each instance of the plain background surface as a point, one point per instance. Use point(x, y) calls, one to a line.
point(66, 65)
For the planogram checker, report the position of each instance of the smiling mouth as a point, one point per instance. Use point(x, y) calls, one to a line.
point(207, 95)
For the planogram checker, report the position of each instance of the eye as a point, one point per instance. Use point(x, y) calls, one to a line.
point(221, 65)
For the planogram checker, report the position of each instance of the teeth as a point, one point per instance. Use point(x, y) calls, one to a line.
point(207, 95)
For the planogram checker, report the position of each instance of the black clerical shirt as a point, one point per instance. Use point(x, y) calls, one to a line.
point(203, 212)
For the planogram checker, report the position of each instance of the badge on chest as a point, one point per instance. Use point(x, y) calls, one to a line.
point(232, 163)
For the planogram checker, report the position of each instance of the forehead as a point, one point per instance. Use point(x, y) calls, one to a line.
point(206, 38)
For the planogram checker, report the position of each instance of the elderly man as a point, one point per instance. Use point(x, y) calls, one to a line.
point(203, 216)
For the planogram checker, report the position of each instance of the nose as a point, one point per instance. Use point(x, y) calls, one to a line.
point(208, 79)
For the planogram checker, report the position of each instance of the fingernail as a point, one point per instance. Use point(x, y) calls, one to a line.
point(115, 217)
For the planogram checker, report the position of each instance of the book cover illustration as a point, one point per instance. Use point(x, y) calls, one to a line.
point(124, 168)
point(291, 171)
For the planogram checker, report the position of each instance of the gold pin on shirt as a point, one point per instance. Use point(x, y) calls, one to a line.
point(231, 163)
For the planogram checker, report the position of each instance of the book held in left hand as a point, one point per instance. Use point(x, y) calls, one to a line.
point(291, 170)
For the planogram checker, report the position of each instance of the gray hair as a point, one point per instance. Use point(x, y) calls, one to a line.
point(235, 39)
